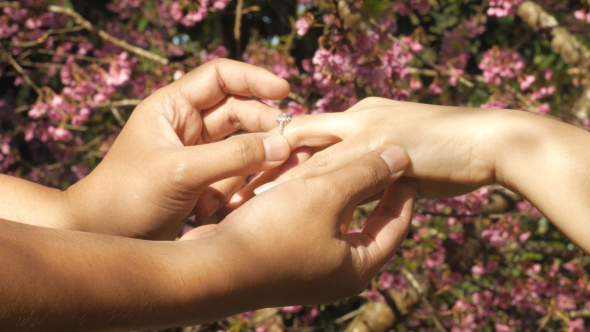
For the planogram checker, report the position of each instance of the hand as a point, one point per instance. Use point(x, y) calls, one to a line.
point(293, 237)
point(151, 179)
point(451, 149)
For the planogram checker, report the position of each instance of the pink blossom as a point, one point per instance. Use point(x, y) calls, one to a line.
point(534, 269)
point(302, 26)
point(30, 131)
point(478, 269)
point(84, 47)
point(7, 30)
point(543, 92)
point(422, 6)
point(292, 309)
point(194, 16)
point(295, 109)
point(416, 85)
point(565, 302)
point(523, 237)
point(495, 103)
point(177, 75)
point(33, 23)
point(526, 82)
point(374, 296)
point(16, 14)
point(544, 108)
point(455, 74)
point(580, 14)
point(220, 4)
point(502, 327)
point(548, 74)
point(457, 237)
point(415, 46)
point(434, 89)
point(435, 259)
point(576, 325)
point(120, 70)
point(503, 8)
point(176, 11)
point(60, 134)
point(498, 65)
point(570, 266)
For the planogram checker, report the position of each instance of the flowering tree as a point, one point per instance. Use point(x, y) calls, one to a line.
point(71, 72)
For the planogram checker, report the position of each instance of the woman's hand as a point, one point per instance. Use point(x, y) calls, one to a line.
point(292, 240)
point(453, 150)
point(152, 177)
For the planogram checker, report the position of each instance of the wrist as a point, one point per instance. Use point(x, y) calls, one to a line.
point(224, 282)
point(519, 135)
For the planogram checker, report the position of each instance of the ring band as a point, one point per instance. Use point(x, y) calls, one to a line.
point(283, 119)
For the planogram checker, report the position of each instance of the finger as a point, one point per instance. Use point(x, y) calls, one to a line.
point(320, 130)
point(215, 196)
point(207, 85)
point(235, 113)
point(346, 187)
point(326, 161)
point(387, 228)
point(297, 157)
point(240, 155)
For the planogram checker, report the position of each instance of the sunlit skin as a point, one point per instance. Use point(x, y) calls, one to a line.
point(64, 268)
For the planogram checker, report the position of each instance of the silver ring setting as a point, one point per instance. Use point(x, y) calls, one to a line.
point(283, 119)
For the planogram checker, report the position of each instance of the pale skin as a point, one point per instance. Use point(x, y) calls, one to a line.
point(454, 150)
point(85, 259)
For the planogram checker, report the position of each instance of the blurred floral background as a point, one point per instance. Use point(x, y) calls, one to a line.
point(71, 72)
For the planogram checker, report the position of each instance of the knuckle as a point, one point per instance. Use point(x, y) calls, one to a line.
point(245, 150)
point(176, 168)
point(371, 175)
point(319, 160)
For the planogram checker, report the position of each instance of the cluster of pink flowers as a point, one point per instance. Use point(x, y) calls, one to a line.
point(80, 77)
point(498, 65)
point(6, 156)
point(277, 61)
point(582, 15)
point(502, 8)
point(406, 7)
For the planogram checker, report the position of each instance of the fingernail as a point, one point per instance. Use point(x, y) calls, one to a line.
point(276, 148)
point(264, 188)
point(395, 157)
point(212, 206)
point(235, 199)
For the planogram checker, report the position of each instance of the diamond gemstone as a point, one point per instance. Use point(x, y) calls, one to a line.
point(284, 118)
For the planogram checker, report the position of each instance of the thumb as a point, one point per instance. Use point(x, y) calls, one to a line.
point(348, 186)
point(238, 155)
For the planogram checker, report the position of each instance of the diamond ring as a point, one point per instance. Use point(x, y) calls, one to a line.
point(283, 119)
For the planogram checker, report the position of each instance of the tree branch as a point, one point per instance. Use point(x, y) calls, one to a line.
point(101, 33)
point(563, 43)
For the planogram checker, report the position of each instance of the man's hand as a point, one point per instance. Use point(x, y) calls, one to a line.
point(152, 177)
point(292, 240)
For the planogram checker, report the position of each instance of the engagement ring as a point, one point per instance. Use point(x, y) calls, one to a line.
point(283, 119)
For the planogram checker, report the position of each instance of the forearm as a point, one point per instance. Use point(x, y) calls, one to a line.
point(63, 280)
point(548, 162)
point(30, 203)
